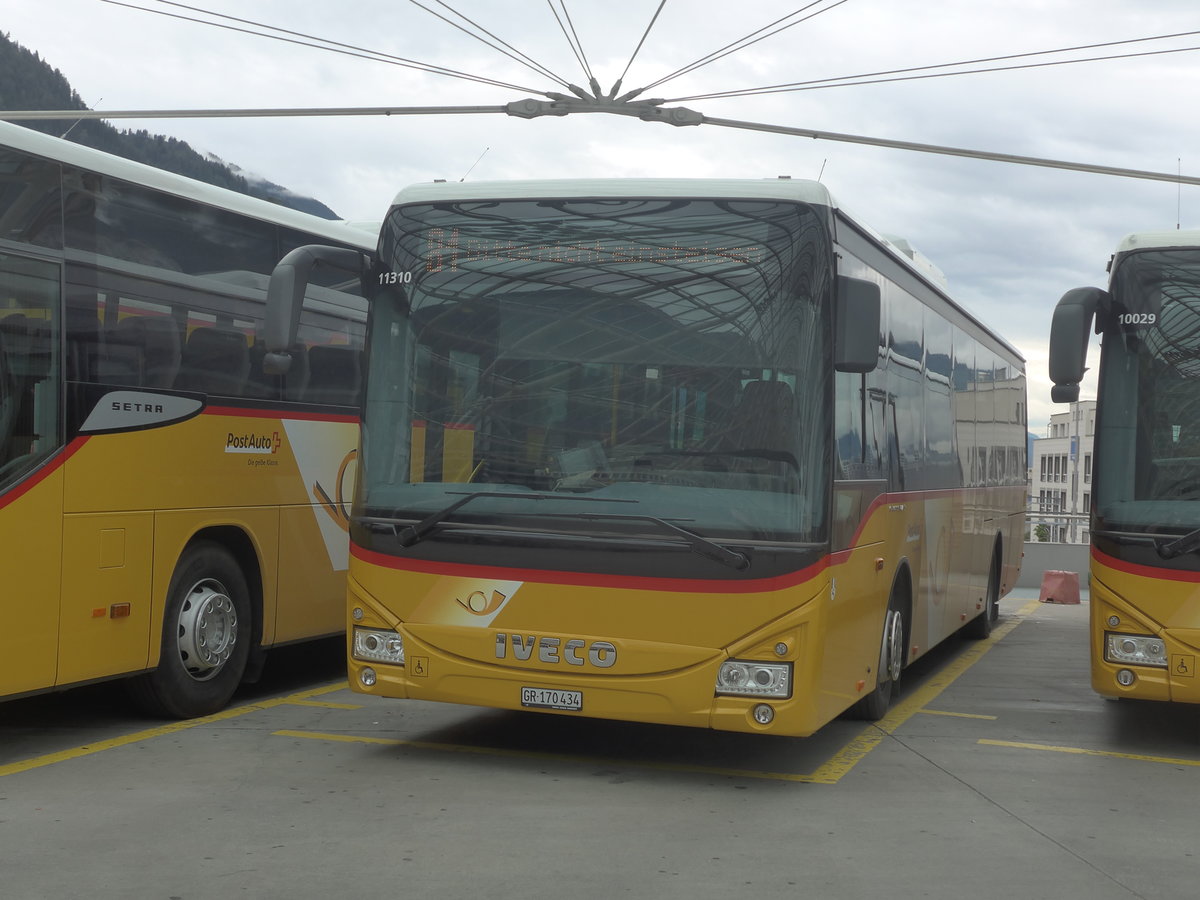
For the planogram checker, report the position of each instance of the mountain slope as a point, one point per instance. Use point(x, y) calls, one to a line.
point(29, 82)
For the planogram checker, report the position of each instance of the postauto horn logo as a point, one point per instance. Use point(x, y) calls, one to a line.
point(250, 442)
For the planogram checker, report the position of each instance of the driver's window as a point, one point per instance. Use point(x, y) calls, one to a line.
point(29, 364)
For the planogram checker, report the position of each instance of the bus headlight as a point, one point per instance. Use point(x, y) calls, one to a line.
point(749, 678)
point(376, 645)
point(1135, 649)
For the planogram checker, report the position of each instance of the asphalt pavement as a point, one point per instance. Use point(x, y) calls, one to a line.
point(998, 774)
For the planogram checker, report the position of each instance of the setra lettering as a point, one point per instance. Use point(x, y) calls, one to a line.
point(119, 406)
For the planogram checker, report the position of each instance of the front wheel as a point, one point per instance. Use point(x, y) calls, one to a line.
point(205, 640)
point(874, 706)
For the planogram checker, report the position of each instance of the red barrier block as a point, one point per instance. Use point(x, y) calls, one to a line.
point(1060, 587)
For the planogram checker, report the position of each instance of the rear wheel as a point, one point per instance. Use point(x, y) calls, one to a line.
point(205, 640)
point(981, 626)
point(874, 706)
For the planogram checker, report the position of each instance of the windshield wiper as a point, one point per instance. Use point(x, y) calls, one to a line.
point(411, 534)
point(748, 453)
point(697, 542)
point(1188, 543)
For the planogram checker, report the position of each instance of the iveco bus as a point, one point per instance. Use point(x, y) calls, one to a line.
point(1145, 516)
point(708, 453)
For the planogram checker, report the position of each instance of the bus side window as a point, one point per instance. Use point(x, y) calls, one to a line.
point(85, 344)
point(295, 381)
point(333, 375)
point(29, 392)
point(143, 350)
point(215, 361)
point(9, 398)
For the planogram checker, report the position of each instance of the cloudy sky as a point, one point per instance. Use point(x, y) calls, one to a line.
point(1011, 239)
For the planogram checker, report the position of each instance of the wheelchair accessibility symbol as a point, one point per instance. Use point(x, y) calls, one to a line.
point(1183, 665)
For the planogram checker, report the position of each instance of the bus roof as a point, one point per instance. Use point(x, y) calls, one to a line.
point(1151, 240)
point(36, 143)
point(781, 188)
point(751, 189)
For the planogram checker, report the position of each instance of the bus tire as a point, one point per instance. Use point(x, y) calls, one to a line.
point(205, 640)
point(874, 706)
point(981, 626)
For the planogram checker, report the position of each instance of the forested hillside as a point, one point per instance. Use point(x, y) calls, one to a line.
point(29, 82)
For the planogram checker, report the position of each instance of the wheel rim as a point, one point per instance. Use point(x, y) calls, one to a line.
point(208, 629)
point(893, 641)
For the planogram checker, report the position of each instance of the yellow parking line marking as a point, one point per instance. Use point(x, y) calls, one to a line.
point(124, 740)
point(870, 738)
point(957, 715)
point(325, 704)
point(534, 754)
point(1082, 751)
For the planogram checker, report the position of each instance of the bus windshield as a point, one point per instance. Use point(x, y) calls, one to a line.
point(667, 358)
point(1148, 433)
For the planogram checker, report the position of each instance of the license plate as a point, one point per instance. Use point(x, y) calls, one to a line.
point(547, 698)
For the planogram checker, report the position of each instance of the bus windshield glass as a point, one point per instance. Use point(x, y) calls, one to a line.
point(629, 358)
point(1148, 437)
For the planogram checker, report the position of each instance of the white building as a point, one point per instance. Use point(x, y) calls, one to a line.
point(1060, 477)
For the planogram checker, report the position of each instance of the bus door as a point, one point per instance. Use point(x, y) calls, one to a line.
point(863, 457)
point(31, 480)
point(120, 351)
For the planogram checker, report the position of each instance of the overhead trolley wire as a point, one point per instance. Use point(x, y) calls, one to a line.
point(15, 115)
point(525, 60)
point(531, 109)
point(319, 43)
point(572, 37)
point(745, 41)
point(637, 49)
point(902, 74)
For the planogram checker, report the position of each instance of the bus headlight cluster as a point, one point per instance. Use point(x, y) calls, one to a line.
point(1135, 649)
point(749, 678)
point(376, 645)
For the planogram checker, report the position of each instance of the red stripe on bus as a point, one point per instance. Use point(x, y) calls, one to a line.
point(919, 497)
point(1145, 571)
point(51, 465)
point(590, 579)
point(246, 413)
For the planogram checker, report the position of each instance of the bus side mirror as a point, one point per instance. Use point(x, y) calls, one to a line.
point(856, 325)
point(285, 297)
point(1069, 340)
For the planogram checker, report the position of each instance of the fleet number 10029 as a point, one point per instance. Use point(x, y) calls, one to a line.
point(1137, 318)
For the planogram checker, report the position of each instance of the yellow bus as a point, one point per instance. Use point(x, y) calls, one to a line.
point(691, 452)
point(167, 509)
point(1145, 488)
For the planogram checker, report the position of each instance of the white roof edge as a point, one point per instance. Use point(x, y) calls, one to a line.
point(36, 143)
point(748, 188)
point(1148, 240)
